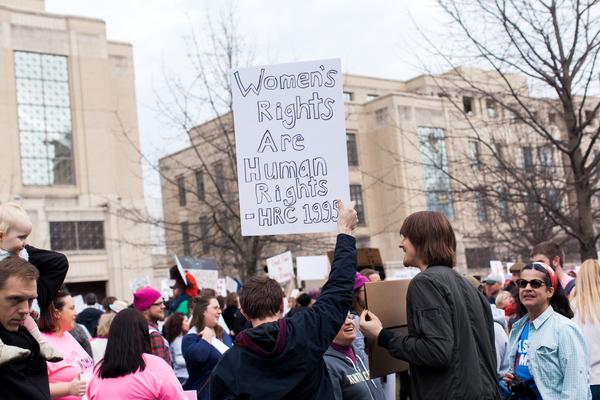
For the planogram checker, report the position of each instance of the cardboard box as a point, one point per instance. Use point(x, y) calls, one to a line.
point(387, 300)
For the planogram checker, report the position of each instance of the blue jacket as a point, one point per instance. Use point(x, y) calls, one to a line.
point(200, 359)
point(557, 356)
point(284, 359)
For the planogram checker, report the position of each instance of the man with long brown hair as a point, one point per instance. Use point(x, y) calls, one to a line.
point(450, 339)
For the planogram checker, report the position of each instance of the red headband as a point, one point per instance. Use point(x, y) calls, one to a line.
point(551, 273)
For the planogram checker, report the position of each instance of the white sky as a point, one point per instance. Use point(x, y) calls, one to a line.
point(372, 37)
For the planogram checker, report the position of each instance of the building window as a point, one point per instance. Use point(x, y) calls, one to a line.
point(490, 106)
point(372, 96)
point(435, 170)
point(405, 112)
point(468, 105)
point(526, 158)
point(589, 116)
point(181, 191)
point(502, 204)
point(348, 96)
point(219, 176)
point(381, 116)
point(474, 154)
point(204, 231)
point(356, 197)
point(77, 235)
point(352, 149)
point(481, 206)
point(200, 184)
point(552, 118)
point(479, 257)
point(185, 238)
point(497, 154)
point(546, 156)
point(44, 112)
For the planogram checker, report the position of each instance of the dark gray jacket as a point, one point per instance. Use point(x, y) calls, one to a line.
point(450, 340)
point(351, 381)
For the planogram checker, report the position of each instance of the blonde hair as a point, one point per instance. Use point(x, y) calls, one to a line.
point(10, 213)
point(104, 324)
point(503, 296)
point(587, 293)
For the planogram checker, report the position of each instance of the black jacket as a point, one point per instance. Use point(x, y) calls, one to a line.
point(29, 379)
point(284, 359)
point(450, 340)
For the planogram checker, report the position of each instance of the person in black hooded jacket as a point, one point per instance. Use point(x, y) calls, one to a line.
point(450, 341)
point(282, 358)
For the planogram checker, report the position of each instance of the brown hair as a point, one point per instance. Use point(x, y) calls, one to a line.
point(200, 305)
point(47, 321)
point(261, 297)
point(432, 236)
point(231, 300)
point(173, 326)
point(17, 267)
point(551, 250)
point(368, 272)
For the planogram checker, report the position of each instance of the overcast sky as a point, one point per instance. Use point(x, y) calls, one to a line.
point(372, 37)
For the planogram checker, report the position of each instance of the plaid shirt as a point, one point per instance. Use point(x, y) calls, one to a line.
point(557, 356)
point(158, 345)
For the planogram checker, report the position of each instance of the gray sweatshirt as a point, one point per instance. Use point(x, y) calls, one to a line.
point(351, 380)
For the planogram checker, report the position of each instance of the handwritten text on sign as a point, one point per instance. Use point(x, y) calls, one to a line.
point(291, 146)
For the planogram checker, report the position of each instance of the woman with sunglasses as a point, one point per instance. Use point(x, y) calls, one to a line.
point(547, 351)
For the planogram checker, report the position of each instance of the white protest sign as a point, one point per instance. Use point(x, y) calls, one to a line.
point(281, 267)
point(496, 268)
point(312, 267)
point(291, 146)
point(221, 288)
point(137, 283)
point(231, 284)
point(79, 303)
point(206, 278)
point(165, 288)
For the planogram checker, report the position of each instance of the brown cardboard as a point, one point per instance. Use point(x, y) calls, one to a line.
point(387, 300)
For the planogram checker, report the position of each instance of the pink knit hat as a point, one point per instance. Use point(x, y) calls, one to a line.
point(360, 280)
point(144, 297)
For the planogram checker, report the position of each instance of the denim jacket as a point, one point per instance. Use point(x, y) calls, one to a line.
point(557, 356)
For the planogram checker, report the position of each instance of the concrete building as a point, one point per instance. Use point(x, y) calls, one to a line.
point(69, 131)
point(395, 132)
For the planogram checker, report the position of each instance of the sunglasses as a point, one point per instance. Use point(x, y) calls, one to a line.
point(534, 283)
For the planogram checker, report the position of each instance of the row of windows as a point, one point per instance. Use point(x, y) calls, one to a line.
point(525, 155)
point(349, 96)
point(77, 235)
point(218, 175)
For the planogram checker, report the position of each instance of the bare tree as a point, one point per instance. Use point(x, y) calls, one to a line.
point(534, 155)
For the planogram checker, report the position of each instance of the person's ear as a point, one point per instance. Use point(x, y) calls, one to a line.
point(555, 262)
point(549, 292)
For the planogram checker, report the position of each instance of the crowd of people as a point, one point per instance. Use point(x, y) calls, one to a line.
point(534, 334)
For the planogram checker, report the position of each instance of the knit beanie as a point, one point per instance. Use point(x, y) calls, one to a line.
point(144, 297)
point(360, 280)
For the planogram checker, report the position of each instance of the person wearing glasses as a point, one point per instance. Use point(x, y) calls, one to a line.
point(150, 303)
point(547, 351)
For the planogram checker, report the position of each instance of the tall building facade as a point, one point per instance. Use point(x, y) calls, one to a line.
point(423, 144)
point(69, 132)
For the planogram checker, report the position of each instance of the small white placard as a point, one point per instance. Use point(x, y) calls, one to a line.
point(281, 267)
point(231, 284)
point(206, 278)
point(312, 267)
